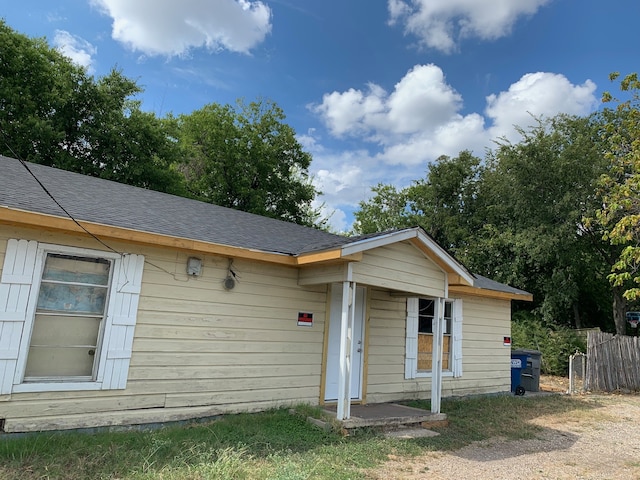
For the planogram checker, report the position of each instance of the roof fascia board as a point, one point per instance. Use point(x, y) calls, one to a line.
point(327, 256)
point(15, 217)
point(486, 293)
point(375, 242)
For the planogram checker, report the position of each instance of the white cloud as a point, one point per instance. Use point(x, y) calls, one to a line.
point(397, 10)
point(421, 120)
point(344, 178)
point(336, 218)
point(440, 24)
point(421, 116)
point(309, 141)
point(76, 48)
point(449, 138)
point(339, 182)
point(167, 27)
point(420, 100)
point(537, 94)
point(352, 111)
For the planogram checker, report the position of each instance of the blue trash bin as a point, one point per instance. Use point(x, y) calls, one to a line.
point(518, 362)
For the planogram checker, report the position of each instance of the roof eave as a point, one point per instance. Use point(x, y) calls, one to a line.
point(24, 218)
point(487, 293)
point(327, 256)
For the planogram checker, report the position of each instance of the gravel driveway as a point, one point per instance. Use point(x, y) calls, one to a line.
point(602, 442)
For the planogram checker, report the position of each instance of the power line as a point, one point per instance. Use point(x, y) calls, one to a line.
point(24, 164)
point(50, 195)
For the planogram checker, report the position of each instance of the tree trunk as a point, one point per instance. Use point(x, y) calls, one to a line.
point(576, 316)
point(619, 311)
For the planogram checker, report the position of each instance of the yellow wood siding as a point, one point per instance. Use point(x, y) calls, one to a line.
point(486, 362)
point(198, 349)
point(400, 267)
point(323, 274)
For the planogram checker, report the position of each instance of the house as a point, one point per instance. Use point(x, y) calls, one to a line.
point(120, 306)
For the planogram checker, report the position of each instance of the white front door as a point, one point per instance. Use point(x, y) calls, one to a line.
point(333, 350)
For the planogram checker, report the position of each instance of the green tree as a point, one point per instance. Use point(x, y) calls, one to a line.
point(386, 210)
point(619, 214)
point(442, 203)
point(52, 112)
point(37, 85)
point(247, 158)
point(532, 199)
point(518, 216)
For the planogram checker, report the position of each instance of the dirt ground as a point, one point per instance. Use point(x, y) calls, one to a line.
point(600, 443)
point(549, 383)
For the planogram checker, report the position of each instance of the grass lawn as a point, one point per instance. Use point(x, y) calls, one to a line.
point(269, 445)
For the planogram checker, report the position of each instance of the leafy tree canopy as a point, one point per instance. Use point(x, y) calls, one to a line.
point(517, 216)
point(442, 203)
point(247, 158)
point(52, 112)
point(532, 199)
point(620, 185)
point(387, 209)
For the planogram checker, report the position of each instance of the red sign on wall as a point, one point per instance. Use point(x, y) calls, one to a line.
point(305, 319)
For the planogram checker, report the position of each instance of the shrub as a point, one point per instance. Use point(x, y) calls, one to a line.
point(555, 342)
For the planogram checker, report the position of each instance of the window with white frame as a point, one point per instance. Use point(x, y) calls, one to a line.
point(67, 317)
point(70, 311)
point(422, 328)
point(426, 317)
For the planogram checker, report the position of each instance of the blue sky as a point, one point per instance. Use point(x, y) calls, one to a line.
point(375, 89)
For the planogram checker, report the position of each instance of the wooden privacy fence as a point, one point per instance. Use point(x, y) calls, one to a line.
point(613, 362)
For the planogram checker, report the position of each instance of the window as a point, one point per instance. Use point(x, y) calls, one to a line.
point(426, 313)
point(70, 311)
point(421, 329)
point(68, 315)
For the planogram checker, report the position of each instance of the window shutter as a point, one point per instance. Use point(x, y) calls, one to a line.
point(15, 286)
point(457, 338)
point(121, 322)
point(411, 355)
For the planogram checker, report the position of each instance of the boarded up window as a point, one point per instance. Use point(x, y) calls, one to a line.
point(426, 313)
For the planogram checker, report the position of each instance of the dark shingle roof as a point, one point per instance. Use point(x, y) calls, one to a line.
point(110, 203)
point(488, 284)
point(115, 204)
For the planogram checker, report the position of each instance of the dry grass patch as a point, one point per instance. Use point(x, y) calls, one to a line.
point(278, 445)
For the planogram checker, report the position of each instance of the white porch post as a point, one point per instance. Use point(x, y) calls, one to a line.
point(436, 362)
point(346, 346)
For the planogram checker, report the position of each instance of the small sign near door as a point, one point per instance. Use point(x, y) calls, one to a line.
point(305, 319)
